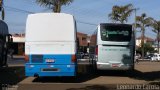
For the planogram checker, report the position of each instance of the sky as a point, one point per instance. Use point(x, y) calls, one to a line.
point(88, 13)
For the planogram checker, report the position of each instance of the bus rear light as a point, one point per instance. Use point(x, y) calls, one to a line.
point(73, 58)
point(96, 50)
point(26, 58)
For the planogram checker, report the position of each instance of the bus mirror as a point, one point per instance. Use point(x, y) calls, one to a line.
point(11, 39)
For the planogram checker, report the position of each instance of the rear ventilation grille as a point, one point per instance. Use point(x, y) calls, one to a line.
point(37, 58)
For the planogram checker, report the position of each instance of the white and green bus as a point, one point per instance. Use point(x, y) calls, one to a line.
point(112, 47)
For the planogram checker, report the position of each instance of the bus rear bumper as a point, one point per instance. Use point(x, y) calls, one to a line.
point(112, 66)
point(49, 70)
point(49, 74)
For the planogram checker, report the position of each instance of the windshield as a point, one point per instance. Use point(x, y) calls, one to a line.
point(116, 33)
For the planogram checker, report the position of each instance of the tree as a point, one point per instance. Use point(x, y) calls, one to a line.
point(142, 22)
point(55, 5)
point(147, 48)
point(2, 9)
point(156, 27)
point(121, 13)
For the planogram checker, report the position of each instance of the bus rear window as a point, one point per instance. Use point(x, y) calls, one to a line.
point(115, 33)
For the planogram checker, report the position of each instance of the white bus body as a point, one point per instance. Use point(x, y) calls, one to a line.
point(50, 44)
point(112, 47)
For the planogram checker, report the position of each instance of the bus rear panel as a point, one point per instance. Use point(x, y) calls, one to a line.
point(50, 45)
point(114, 47)
point(50, 65)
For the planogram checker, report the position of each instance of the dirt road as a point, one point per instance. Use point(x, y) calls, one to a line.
point(145, 73)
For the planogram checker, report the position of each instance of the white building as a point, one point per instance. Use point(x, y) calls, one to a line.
point(18, 44)
point(146, 39)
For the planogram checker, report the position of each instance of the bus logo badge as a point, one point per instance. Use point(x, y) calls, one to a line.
point(50, 60)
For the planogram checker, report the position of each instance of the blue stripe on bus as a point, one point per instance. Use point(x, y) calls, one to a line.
point(62, 63)
point(59, 59)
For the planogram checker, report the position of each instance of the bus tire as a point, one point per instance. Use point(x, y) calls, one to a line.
point(4, 58)
point(94, 66)
point(1, 60)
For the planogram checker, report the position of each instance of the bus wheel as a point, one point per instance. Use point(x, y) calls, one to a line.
point(94, 66)
point(1, 61)
point(130, 72)
point(36, 75)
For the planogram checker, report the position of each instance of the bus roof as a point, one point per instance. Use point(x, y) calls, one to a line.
point(118, 24)
point(50, 27)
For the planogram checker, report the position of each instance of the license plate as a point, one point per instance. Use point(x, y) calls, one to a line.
point(115, 65)
point(50, 70)
point(50, 60)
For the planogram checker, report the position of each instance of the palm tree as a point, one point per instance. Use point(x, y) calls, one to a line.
point(55, 5)
point(121, 13)
point(2, 9)
point(156, 27)
point(142, 22)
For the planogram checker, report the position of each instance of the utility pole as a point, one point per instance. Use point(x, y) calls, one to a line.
point(0, 5)
point(2, 9)
point(135, 26)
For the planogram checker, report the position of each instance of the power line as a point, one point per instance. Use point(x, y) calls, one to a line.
point(25, 11)
point(20, 10)
point(87, 23)
point(29, 1)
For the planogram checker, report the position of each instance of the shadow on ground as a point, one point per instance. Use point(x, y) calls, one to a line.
point(11, 75)
point(15, 74)
point(88, 74)
point(94, 87)
point(147, 76)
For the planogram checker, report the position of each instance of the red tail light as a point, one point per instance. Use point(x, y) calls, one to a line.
point(73, 58)
point(96, 50)
point(26, 58)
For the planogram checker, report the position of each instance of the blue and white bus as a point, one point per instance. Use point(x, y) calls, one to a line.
point(112, 47)
point(50, 45)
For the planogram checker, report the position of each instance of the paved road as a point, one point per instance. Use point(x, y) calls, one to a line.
point(145, 73)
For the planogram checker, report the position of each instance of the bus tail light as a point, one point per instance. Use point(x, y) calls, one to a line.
point(26, 58)
point(73, 58)
point(96, 50)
